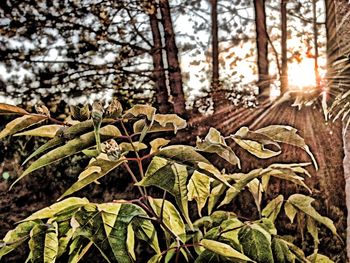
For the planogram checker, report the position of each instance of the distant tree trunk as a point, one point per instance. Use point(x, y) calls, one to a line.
point(262, 45)
point(175, 78)
point(331, 32)
point(215, 85)
point(161, 91)
point(284, 61)
point(315, 29)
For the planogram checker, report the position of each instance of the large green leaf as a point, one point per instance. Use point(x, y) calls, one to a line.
point(273, 208)
point(169, 176)
point(318, 258)
point(16, 237)
point(183, 154)
point(51, 243)
point(298, 253)
point(95, 170)
point(48, 131)
point(170, 216)
point(48, 212)
point(116, 218)
point(223, 250)
point(72, 147)
point(215, 143)
point(255, 143)
point(21, 123)
point(199, 189)
point(303, 204)
point(287, 134)
point(256, 243)
point(281, 252)
point(37, 243)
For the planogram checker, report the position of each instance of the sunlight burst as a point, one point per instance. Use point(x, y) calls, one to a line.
point(302, 75)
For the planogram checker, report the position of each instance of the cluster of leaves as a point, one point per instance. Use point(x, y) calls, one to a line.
point(70, 227)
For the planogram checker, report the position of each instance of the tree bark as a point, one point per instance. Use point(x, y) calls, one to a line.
point(215, 84)
point(262, 45)
point(284, 61)
point(174, 71)
point(159, 76)
point(315, 29)
point(331, 32)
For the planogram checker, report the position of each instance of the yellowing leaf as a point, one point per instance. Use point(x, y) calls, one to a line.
point(170, 121)
point(140, 110)
point(287, 134)
point(21, 123)
point(72, 147)
point(255, 143)
point(290, 211)
point(50, 211)
point(199, 189)
point(127, 147)
point(51, 243)
point(273, 208)
point(11, 109)
point(215, 143)
point(223, 250)
point(157, 143)
point(303, 204)
point(43, 131)
point(96, 170)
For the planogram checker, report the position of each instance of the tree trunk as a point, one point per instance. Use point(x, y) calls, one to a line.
point(175, 78)
point(262, 45)
point(284, 61)
point(161, 90)
point(315, 29)
point(331, 32)
point(215, 84)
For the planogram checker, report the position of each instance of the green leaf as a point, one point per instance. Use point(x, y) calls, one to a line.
point(215, 143)
point(37, 243)
point(312, 229)
point(281, 252)
point(223, 250)
point(290, 211)
point(95, 170)
point(63, 242)
point(230, 230)
point(171, 177)
point(273, 208)
point(21, 123)
point(318, 258)
point(56, 208)
point(127, 147)
point(11, 109)
point(303, 204)
point(16, 237)
point(299, 254)
point(170, 216)
point(199, 189)
point(155, 259)
point(48, 131)
point(157, 143)
point(255, 143)
point(287, 134)
point(48, 145)
point(256, 189)
point(140, 110)
point(72, 147)
point(51, 243)
point(183, 154)
point(172, 250)
point(116, 218)
point(256, 243)
point(232, 192)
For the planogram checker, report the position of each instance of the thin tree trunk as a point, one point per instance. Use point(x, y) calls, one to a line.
point(262, 45)
point(315, 29)
point(331, 32)
point(175, 78)
point(284, 61)
point(215, 85)
point(161, 90)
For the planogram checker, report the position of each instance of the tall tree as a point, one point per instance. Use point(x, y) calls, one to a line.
point(331, 31)
point(215, 84)
point(284, 61)
point(159, 76)
point(262, 45)
point(315, 29)
point(174, 70)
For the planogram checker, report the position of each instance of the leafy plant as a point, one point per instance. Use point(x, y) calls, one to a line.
point(71, 226)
